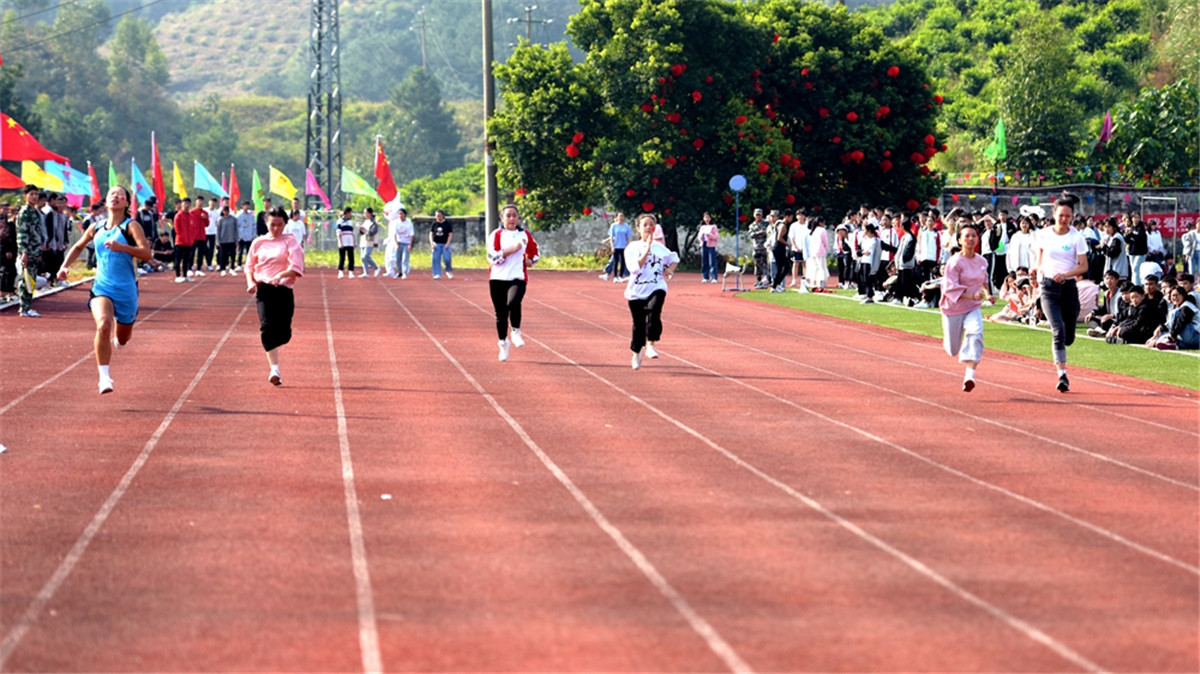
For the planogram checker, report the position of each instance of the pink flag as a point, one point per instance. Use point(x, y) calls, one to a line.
point(311, 187)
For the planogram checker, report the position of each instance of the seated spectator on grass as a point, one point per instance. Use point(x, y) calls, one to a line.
point(1187, 282)
point(931, 290)
point(1108, 307)
point(1155, 300)
point(1019, 306)
point(1088, 294)
point(1138, 324)
point(1182, 327)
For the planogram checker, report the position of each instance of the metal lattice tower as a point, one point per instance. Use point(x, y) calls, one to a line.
point(323, 150)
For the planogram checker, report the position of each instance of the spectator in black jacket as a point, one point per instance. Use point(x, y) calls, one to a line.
point(1137, 245)
point(1138, 323)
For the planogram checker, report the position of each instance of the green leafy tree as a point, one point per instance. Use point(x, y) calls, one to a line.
point(1158, 134)
point(133, 49)
point(676, 97)
point(420, 132)
point(210, 137)
point(1035, 101)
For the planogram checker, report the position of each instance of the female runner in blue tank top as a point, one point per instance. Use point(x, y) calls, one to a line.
point(114, 297)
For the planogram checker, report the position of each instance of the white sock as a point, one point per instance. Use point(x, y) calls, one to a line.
point(275, 370)
point(970, 374)
point(1062, 371)
point(104, 371)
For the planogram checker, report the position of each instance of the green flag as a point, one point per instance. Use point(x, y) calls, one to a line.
point(112, 176)
point(257, 192)
point(352, 183)
point(997, 151)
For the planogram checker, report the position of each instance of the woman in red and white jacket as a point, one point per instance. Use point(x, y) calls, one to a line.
point(511, 250)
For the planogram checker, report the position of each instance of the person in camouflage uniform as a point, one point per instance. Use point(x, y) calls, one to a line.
point(29, 250)
point(758, 236)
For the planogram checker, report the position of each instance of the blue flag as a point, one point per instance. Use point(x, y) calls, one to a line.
point(205, 181)
point(142, 189)
point(74, 182)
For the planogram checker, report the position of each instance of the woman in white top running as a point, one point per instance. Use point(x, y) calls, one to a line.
point(650, 265)
point(510, 251)
point(1061, 257)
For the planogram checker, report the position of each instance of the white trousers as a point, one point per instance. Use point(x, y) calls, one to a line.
point(963, 335)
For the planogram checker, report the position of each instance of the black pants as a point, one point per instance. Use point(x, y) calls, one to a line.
point(1060, 304)
point(845, 267)
point(210, 246)
point(866, 281)
point(905, 286)
point(225, 255)
point(276, 306)
point(927, 267)
point(782, 265)
point(647, 319)
point(343, 253)
point(198, 249)
point(619, 270)
point(243, 247)
point(183, 259)
point(506, 300)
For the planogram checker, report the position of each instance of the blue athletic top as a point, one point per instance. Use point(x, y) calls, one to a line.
point(620, 233)
point(116, 274)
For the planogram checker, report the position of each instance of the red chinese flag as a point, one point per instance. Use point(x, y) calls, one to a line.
point(160, 193)
point(96, 196)
point(235, 194)
point(383, 174)
point(16, 144)
point(9, 181)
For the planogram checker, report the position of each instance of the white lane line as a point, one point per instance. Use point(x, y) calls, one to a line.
point(715, 641)
point(86, 357)
point(1025, 628)
point(368, 630)
point(1094, 528)
point(976, 418)
point(932, 344)
point(22, 626)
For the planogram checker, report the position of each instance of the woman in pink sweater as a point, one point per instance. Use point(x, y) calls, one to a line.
point(273, 264)
point(964, 287)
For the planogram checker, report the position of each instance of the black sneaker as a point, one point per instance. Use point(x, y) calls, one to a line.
point(968, 385)
point(1063, 384)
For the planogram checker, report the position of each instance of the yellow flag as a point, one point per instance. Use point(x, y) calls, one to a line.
point(281, 185)
point(33, 174)
point(179, 187)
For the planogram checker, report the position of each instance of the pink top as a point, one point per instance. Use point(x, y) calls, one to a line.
point(709, 235)
point(964, 277)
point(269, 257)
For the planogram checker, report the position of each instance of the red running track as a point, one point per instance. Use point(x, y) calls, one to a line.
point(779, 491)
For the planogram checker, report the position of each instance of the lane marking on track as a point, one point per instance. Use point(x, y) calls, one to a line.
point(849, 325)
point(368, 630)
point(1094, 528)
point(1025, 628)
point(23, 625)
point(711, 637)
point(982, 419)
point(87, 356)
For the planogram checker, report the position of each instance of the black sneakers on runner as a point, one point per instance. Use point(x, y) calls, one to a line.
point(1063, 384)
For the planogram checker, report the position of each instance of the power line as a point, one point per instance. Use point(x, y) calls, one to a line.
point(94, 24)
point(40, 11)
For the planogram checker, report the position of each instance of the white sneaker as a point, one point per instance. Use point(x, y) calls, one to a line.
point(377, 271)
point(189, 280)
point(340, 274)
point(516, 339)
point(181, 279)
point(651, 352)
point(30, 314)
point(191, 273)
point(106, 385)
point(637, 360)
point(200, 273)
point(224, 273)
point(922, 305)
point(503, 350)
point(350, 275)
point(210, 267)
point(449, 274)
point(403, 276)
point(604, 277)
point(364, 275)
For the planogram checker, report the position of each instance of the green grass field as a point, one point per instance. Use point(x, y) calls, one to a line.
point(1168, 367)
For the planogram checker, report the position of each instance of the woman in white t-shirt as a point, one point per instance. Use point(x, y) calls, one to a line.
point(1061, 257)
point(296, 227)
point(650, 265)
point(511, 250)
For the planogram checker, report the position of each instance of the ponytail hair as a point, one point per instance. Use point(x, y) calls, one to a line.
point(1067, 199)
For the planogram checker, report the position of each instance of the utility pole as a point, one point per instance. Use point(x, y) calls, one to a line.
point(529, 21)
point(323, 148)
point(489, 108)
point(424, 58)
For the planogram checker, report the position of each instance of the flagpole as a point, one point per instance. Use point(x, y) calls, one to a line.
point(489, 107)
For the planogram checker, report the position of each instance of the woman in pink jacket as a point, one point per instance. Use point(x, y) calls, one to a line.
point(273, 264)
point(964, 287)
